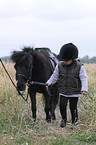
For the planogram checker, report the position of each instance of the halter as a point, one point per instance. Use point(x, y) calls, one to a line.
point(25, 77)
point(21, 75)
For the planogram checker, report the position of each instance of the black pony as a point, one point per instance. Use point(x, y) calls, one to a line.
point(35, 65)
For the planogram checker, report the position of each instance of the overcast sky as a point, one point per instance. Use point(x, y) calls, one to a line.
point(48, 23)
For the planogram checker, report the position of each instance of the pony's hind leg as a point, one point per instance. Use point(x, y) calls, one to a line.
point(54, 100)
point(47, 107)
point(54, 103)
point(33, 104)
point(52, 109)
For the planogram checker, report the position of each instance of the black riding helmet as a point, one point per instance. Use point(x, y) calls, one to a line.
point(68, 52)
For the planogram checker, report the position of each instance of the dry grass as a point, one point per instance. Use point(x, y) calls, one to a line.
point(17, 126)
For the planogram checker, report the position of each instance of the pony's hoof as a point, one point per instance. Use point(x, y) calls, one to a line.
point(53, 117)
point(48, 120)
point(34, 119)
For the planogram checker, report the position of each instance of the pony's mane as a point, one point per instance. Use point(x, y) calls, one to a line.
point(21, 55)
point(27, 49)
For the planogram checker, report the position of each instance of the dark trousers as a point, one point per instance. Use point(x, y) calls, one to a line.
point(73, 108)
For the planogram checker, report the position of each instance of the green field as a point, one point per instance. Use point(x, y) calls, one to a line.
point(18, 128)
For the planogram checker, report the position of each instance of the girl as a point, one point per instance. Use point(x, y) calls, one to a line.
point(72, 81)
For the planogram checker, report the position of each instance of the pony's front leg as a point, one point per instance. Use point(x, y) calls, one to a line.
point(33, 104)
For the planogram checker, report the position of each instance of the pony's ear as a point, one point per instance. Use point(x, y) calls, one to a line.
point(31, 51)
point(16, 55)
point(13, 56)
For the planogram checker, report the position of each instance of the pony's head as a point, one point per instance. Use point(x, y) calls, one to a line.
point(23, 66)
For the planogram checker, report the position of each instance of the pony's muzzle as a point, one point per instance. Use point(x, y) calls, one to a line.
point(21, 86)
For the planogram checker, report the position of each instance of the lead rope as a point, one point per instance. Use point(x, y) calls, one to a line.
point(13, 82)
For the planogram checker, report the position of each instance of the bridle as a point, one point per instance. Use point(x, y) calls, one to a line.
point(21, 75)
point(28, 79)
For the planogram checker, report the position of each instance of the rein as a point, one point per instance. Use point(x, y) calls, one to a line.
point(13, 82)
point(39, 83)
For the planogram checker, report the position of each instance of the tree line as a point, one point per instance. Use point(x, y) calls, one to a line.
point(88, 60)
point(85, 59)
point(6, 59)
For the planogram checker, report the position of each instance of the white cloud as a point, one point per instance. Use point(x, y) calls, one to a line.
point(11, 8)
point(47, 9)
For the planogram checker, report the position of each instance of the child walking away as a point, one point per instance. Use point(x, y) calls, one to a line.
point(72, 81)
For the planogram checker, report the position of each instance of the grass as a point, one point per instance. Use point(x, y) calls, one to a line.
point(18, 128)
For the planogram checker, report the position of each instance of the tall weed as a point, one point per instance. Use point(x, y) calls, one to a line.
point(17, 126)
